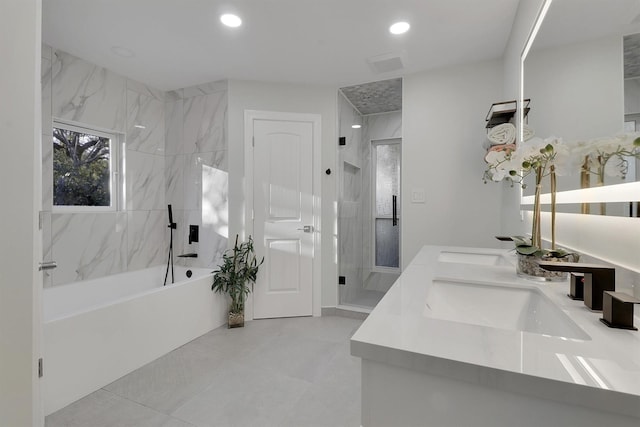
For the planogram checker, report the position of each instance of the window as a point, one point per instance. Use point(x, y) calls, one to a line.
point(84, 169)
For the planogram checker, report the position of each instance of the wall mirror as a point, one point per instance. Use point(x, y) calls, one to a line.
point(582, 74)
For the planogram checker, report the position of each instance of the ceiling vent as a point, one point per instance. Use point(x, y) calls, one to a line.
point(386, 63)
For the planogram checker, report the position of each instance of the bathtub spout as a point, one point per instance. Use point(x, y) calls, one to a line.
point(190, 255)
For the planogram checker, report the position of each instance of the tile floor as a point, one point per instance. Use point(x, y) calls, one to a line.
point(274, 372)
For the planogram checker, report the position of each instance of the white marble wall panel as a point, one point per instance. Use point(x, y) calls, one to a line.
point(174, 118)
point(146, 238)
point(174, 178)
point(145, 181)
point(352, 183)
point(180, 234)
point(205, 122)
point(351, 244)
point(47, 172)
point(46, 51)
point(211, 245)
point(93, 245)
point(351, 152)
point(145, 90)
point(145, 123)
point(211, 217)
point(205, 89)
point(87, 245)
point(86, 93)
point(380, 126)
point(47, 130)
point(198, 169)
point(45, 81)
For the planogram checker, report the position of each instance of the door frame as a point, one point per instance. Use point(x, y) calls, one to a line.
point(315, 119)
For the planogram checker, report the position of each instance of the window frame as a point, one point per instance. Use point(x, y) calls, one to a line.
point(115, 166)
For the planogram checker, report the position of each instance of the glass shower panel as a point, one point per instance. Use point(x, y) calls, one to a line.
point(387, 243)
point(387, 177)
point(386, 210)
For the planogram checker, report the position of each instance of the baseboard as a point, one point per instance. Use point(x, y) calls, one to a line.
point(346, 311)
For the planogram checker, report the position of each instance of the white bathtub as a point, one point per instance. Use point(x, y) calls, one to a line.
point(96, 331)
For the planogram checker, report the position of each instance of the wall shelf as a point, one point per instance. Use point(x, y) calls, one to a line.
point(503, 112)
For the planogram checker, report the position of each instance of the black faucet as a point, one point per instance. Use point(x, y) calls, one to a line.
point(597, 279)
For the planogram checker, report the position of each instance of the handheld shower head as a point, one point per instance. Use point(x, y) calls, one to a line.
point(171, 223)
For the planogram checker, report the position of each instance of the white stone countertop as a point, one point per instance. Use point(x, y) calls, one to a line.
point(601, 371)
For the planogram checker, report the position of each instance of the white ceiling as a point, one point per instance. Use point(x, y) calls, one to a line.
point(180, 43)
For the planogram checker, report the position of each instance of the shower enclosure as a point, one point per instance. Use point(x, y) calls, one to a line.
point(369, 208)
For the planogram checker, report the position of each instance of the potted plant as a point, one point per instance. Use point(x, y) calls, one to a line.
point(239, 268)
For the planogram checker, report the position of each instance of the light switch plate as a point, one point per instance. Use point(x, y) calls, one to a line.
point(417, 195)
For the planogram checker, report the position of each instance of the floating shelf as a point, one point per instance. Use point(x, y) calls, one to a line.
point(503, 112)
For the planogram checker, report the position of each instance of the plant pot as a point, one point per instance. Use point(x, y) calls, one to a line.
point(529, 268)
point(236, 320)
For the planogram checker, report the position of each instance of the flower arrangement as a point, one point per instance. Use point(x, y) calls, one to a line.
point(541, 158)
point(549, 158)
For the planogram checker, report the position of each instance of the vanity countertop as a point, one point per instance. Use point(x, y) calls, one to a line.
point(601, 370)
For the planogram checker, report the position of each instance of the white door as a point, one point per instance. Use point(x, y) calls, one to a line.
point(283, 226)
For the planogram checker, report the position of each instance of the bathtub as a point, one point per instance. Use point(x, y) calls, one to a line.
point(96, 331)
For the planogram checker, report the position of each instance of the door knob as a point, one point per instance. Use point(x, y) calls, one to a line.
point(307, 228)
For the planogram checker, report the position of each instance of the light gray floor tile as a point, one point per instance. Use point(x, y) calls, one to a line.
point(105, 409)
point(171, 380)
point(243, 396)
point(280, 372)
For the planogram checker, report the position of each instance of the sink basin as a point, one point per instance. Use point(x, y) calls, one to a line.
point(473, 258)
point(499, 306)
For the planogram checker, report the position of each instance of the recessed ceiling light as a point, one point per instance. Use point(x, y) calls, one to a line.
point(399, 27)
point(356, 126)
point(124, 52)
point(231, 20)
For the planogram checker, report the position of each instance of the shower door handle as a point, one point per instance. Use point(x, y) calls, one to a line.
point(47, 265)
point(394, 201)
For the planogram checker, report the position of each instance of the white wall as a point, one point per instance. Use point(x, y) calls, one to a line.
point(20, 246)
point(246, 95)
point(442, 155)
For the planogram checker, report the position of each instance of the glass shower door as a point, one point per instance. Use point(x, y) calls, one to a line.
point(386, 230)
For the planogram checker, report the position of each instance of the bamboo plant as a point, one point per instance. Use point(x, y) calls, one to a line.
point(239, 268)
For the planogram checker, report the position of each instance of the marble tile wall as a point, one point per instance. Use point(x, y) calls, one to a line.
point(196, 170)
point(89, 245)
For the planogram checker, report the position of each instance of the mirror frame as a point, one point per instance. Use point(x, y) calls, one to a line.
point(625, 192)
